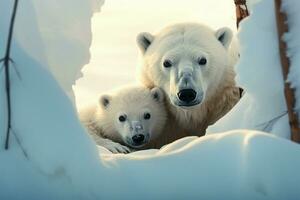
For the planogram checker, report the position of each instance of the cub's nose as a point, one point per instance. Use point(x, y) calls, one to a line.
point(138, 139)
point(187, 95)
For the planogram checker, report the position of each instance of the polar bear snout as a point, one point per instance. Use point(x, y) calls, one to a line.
point(138, 139)
point(137, 127)
point(139, 136)
point(185, 86)
point(187, 95)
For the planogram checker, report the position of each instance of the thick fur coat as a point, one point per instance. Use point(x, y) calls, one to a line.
point(123, 113)
point(194, 57)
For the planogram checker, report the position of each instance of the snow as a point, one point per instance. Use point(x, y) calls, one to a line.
point(51, 157)
point(259, 74)
point(238, 165)
point(67, 50)
point(293, 42)
point(45, 151)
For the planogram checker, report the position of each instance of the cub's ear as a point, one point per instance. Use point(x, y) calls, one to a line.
point(224, 35)
point(104, 101)
point(144, 40)
point(157, 94)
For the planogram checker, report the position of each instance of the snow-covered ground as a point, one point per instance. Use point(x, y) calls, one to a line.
point(51, 156)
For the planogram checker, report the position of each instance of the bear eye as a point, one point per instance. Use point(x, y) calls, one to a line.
point(202, 61)
point(122, 118)
point(167, 63)
point(147, 116)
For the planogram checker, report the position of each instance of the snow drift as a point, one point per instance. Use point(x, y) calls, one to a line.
point(259, 74)
point(51, 157)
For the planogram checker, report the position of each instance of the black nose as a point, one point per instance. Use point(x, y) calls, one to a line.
point(187, 95)
point(138, 139)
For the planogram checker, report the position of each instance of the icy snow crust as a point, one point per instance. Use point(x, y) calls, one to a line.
point(51, 156)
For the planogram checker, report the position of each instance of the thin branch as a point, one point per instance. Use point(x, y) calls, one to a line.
point(267, 126)
point(6, 60)
point(20, 144)
point(241, 11)
point(282, 28)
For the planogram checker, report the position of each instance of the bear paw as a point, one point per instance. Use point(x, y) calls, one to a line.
point(117, 148)
point(114, 147)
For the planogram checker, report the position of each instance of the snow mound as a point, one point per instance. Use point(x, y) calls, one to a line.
point(293, 44)
point(51, 156)
point(239, 164)
point(259, 73)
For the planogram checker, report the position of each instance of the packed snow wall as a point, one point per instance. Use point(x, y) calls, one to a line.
point(56, 34)
point(263, 106)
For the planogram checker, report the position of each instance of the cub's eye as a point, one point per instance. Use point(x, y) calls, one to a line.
point(202, 61)
point(122, 118)
point(167, 63)
point(147, 116)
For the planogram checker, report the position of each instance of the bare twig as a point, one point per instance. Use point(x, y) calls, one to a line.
point(20, 144)
point(6, 61)
point(282, 27)
point(268, 125)
point(241, 11)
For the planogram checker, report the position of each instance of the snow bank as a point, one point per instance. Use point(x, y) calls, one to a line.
point(291, 7)
point(259, 73)
point(51, 157)
point(65, 30)
point(48, 146)
point(234, 165)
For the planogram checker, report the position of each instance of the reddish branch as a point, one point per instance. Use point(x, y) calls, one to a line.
point(241, 11)
point(289, 92)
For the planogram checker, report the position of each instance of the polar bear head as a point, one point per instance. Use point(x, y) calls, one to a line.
point(186, 60)
point(132, 115)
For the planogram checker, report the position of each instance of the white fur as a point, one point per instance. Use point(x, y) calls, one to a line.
point(184, 44)
point(102, 120)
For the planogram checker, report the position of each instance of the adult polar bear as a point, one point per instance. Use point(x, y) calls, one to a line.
point(193, 66)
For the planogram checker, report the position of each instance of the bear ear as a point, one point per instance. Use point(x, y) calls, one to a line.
point(104, 101)
point(144, 40)
point(224, 35)
point(157, 94)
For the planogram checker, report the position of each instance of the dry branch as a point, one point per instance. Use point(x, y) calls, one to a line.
point(6, 60)
point(282, 27)
point(241, 11)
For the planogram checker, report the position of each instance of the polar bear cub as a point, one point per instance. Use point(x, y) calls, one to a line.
point(129, 117)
